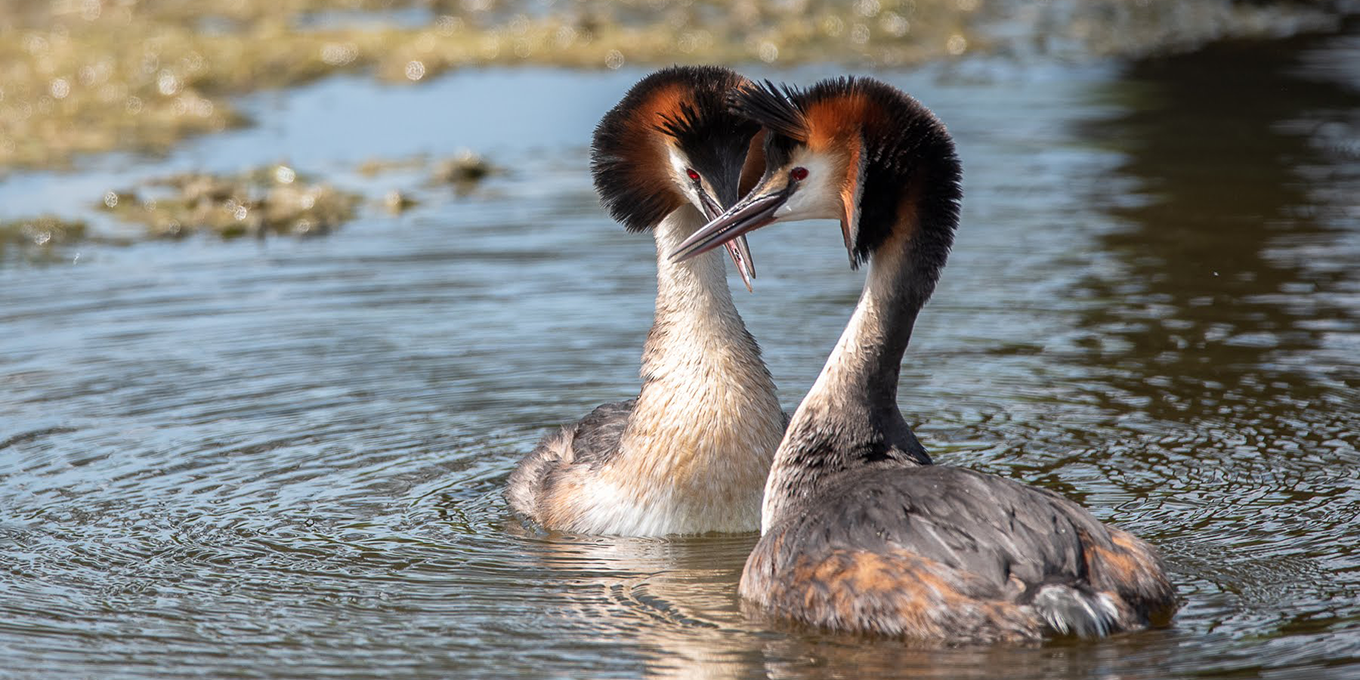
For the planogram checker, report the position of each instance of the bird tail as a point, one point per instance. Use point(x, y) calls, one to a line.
point(1072, 610)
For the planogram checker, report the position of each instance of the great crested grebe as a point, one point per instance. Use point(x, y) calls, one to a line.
point(860, 532)
point(691, 452)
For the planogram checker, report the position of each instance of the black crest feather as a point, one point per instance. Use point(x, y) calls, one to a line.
point(773, 107)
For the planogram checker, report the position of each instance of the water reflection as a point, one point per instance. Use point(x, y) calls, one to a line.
point(1230, 321)
point(672, 600)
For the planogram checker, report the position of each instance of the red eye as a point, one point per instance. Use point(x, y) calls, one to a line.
point(798, 174)
point(692, 174)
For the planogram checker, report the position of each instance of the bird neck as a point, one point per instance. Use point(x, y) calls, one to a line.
point(866, 362)
point(707, 420)
point(697, 333)
point(850, 419)
point(696, 286)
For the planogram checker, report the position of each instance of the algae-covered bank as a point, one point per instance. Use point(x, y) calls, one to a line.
point(85, 76)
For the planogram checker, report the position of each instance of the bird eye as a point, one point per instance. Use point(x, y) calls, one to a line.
point(693, 174)
point(798, 174)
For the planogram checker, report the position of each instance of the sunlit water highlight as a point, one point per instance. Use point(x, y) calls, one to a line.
point(284, 458)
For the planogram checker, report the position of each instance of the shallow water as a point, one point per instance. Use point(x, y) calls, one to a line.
point(284, 457)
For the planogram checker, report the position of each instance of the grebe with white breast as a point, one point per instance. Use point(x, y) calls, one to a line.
point(691, 452)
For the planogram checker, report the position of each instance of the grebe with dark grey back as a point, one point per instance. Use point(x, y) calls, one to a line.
point(860, 531)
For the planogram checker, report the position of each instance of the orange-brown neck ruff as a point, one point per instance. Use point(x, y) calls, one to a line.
point(833, 122)
point(642, 154)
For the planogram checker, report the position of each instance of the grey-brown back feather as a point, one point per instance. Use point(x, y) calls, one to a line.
point(998, 540)
point(591, 441)
point(984, 524)
point(599, 433)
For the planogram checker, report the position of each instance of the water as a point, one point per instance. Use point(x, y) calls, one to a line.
point(284, 457)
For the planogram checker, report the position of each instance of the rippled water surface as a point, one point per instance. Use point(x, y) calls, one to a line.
point(284, 457)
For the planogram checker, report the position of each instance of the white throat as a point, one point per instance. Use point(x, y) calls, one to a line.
point(837, 395)
point(697, 448)
point(864, 333)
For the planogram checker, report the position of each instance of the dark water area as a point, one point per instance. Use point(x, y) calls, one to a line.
point(284, 457)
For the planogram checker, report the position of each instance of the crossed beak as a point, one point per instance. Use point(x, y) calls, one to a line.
point(737, 248)
point(751, 213)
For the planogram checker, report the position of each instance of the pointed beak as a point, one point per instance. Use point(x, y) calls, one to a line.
point(751, 213)
point(737, 248)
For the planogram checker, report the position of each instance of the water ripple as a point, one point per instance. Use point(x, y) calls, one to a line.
point(285, 458)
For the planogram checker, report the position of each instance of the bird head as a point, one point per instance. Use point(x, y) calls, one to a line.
point(855, 150)
point(672, 140)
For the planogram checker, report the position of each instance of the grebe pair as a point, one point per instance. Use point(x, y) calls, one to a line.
point(860, 532)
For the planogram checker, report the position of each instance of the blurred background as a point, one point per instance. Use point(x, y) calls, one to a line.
point(288, 286)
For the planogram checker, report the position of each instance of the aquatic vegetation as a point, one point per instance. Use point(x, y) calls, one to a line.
point(272, 200)
point(378, 166)
point(40, 232)
point(91, 75)
point(463, 170)
point(397, 201)
point(269, 200)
